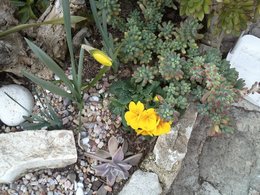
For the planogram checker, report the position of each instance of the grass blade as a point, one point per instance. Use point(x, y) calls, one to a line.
point(48, 85)
point(34, 126)
point(80, 68)
point(67, 24)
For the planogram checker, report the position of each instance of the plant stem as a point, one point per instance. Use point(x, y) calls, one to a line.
point(80, 107)
point(101, 72)
point(80, 68)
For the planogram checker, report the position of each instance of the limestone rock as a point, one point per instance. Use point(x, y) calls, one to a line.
point(170, 149)
point(33, 150)
point(142, 183)
point(12, 113)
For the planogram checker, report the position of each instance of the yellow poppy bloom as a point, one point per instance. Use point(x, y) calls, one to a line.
point(143, 132)
point(148, 119)
point(162, 128)
point(133, 115)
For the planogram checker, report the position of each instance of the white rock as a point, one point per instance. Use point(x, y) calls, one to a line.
point(31, 150)
point(142, 183)
point(94, 99)
point(79, 190)
point(85, 141)
point(12, 113)
point(171, 148)
point(245, 58)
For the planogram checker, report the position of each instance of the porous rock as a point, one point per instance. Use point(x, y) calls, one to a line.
point(11, 113)
point(33, 150)
point(170, 149)
point(143, 183)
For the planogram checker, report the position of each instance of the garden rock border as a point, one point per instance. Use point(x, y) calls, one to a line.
point(33, 150)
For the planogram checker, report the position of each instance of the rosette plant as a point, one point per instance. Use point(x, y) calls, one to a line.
point(116, 162)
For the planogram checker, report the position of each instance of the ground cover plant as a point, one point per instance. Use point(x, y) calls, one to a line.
point(171, 68)
point(225, 16)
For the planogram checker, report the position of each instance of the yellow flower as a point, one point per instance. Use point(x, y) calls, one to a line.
point(148, 119)
point(98, 55)
point(101, 57)
point(156, 99)
point(143, 132)
point(132, 116)
point(162, 128)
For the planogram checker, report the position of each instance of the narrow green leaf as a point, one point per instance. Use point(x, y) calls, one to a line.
point(18, 3)
point(34, 126)
point(52, 65)
point(80, 68)
point(48, 85)
point(67, 24)
point(74, 20)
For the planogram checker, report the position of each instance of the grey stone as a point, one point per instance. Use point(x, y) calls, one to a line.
point(243, 103)
point(207, 189)
point(230, 163)
point(170, 149)
point(31, 150)
point(142, 183)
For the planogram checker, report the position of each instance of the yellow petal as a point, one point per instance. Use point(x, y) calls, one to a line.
point(140, 106)
point(148, 119)
point(132, 119)
point(101, 57)
point(162, 128)
point(137, 108)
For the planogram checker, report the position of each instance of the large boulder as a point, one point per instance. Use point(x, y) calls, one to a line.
point(33, 150)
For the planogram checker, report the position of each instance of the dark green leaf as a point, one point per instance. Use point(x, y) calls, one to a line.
point(48, 85)
point(52, 65)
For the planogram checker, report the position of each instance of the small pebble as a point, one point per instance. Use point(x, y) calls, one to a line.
point(100, 145)
point(108, 188)
point(94, 99)
point(85, 141)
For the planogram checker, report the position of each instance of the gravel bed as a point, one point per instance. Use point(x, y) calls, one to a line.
point(98, 126)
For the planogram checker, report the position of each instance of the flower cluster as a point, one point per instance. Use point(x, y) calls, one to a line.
point(145, 122)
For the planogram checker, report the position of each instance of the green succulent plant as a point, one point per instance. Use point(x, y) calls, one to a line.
point(111, 7)
point(235, 15)
point(172, 67)
point(226, 16)
point(166, 30)
point(145, 74)
point(196, 8)
point(116, 162)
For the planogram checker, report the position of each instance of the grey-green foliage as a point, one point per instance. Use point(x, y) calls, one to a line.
point(145, 74)
point(111, 7)
point(171, 57)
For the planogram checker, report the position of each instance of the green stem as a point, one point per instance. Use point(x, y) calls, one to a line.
point(101, 72)
point(80, 107)
point(80, 68)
